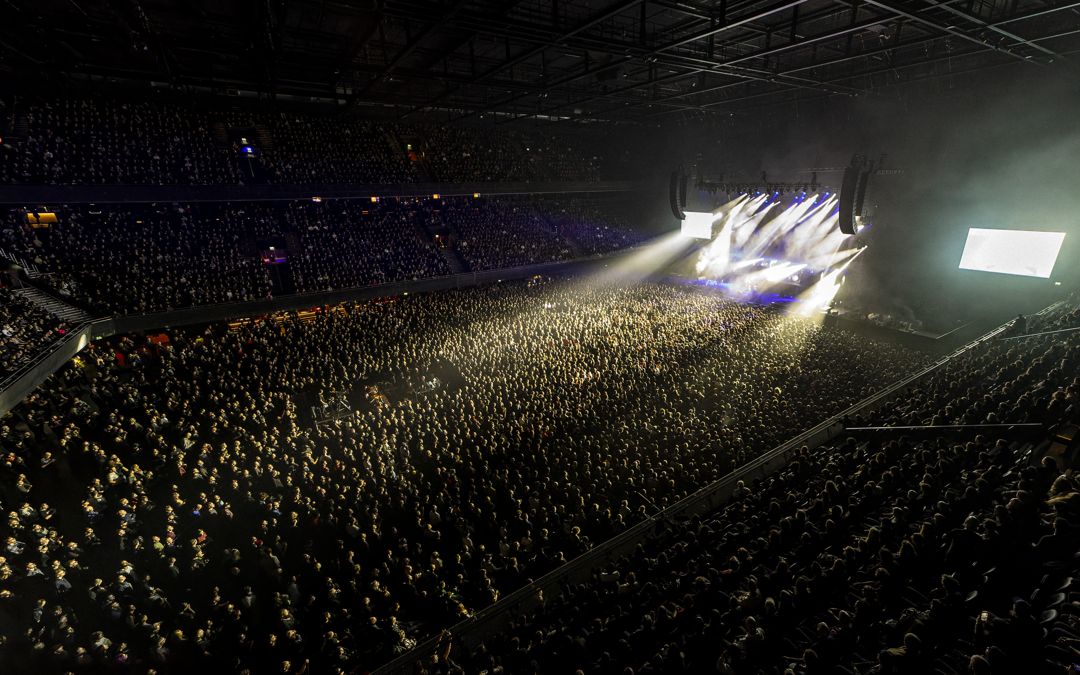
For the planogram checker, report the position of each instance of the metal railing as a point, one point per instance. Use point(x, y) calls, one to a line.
point(18, 385)
point(1045, 332)
point(229, 311)
point(135, 194)
point(956, 427)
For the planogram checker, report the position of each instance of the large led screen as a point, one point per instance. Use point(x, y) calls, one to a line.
point(698, 225)
point(1022, 252)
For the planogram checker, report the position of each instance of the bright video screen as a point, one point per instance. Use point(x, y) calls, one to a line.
point(1022, 252)
point(698, 225)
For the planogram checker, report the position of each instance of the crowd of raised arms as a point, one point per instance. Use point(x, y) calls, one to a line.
point(175, 502)
point(100, 141)
point(122, 260)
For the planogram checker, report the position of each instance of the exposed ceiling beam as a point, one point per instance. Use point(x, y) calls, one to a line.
point(603, 15)
point(899, 11)
point(997, 29)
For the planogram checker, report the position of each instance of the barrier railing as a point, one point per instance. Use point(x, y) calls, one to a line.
point(956, 427)
point(228, 311)
point(18, 385)
point(134, 194)
point(1045, 332)
point(470, 631)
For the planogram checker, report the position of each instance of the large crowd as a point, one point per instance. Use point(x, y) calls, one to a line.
point(91, 141)
point(84, 141)
point(317, 492)
point(140, 259)
point(171, 503)
point(302, 149)
point(597, 226)
point(941, 552)
point(505, 233)
point(25, 329)
point(119, 260)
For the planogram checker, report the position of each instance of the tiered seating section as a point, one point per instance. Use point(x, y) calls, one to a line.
point(94, 141)
point(599, 227)
point(508, 233)
point(124, 260)
point(73, 141)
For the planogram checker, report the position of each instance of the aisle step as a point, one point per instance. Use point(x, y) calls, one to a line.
point(54, 306)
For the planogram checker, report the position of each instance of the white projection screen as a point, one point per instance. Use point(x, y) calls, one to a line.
point(1022, 252)
point(698, 225)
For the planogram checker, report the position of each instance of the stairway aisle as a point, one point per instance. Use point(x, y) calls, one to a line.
point(58, 308)
point(454, 260)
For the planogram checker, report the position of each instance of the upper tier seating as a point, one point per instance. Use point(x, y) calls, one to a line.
point(98, 141)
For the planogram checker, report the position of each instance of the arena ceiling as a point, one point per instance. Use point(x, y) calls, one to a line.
point(639, 60)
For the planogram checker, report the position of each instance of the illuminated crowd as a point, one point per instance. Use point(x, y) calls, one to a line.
point(897, 553)
point(174, 504)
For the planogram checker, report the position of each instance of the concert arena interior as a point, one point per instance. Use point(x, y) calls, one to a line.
point(583, 337)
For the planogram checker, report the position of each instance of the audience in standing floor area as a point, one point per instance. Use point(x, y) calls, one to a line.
point(171, 503)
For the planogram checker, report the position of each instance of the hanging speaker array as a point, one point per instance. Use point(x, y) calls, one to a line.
point(853, 193)
point(677, 193)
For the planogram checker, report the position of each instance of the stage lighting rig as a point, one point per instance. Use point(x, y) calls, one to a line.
point(751, 188)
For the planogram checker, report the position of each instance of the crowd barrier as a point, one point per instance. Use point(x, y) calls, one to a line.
point(237, 310)
point(18, 385)
point(35, 195)
point(924, 341)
